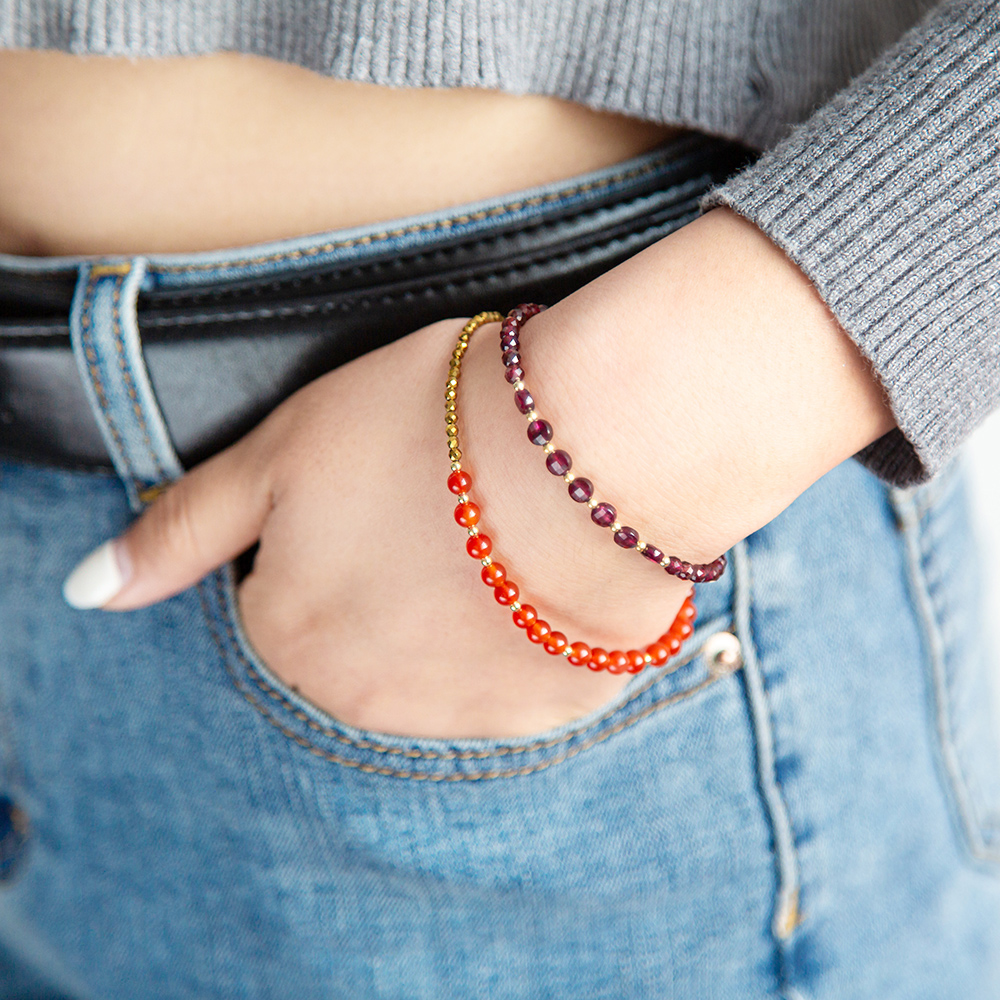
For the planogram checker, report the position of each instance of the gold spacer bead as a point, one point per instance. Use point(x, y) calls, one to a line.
point(473, 531)
point(518, 385)
point(568, 477)
point(463, 497)
point(531, 415)
point(592, 503)
point(566, 651)
point(640, 546)
point(456, 466)
point(647, 657)
point(514, 606)
point(486, 561)
point(549, 448)
point(615, 525)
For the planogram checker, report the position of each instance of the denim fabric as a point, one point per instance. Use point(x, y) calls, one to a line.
point(822, 823)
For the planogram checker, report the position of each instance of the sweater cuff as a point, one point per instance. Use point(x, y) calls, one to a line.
point(888, 199)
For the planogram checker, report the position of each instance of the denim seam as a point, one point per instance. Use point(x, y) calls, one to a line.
point(424, 227)
point(262, 708)
point(427, 290)
point(130, 384)
point(475, 242)
point(910, 515)
point(86, 333)
point(787, 916)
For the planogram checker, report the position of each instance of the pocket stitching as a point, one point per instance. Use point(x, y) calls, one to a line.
point(420, 754)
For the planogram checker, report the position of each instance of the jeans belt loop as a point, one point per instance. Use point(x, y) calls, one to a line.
point(108, 351)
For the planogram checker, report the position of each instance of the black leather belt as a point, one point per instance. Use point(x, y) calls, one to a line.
point(222, 355)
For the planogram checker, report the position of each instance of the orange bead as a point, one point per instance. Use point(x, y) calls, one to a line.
point(688, 610)
point(459, 482)
point(598, 659)
point(659, 653)
point(617, 662)
point(685, 631)
point(494, 574)
point(538, 630)
point(506, 593)
point(479, 546)
point(579, 653)
point(467, 514)
point(673, 644)
point(636, 661)
point(555, 643)
point(525, 616)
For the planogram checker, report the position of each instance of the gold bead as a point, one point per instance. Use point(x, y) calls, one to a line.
point(450, 394)
point(514, 606)
point(456, 466)
point(549, 448)
point(455, 455)
point(592, 503)
point(486, 561)
point(615, 525)
point(531, 415)
point(518, 385)
point(473, 531)
point(452, 382)
point(449, 406)
point(463, 497)
point(451, 417)
point(568, 477)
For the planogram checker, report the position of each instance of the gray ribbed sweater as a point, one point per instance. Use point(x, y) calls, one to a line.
point(883, 187)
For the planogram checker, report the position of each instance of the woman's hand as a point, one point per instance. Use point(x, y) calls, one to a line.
point(702, 385)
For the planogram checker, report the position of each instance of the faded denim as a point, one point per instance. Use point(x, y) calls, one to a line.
point(822, 824)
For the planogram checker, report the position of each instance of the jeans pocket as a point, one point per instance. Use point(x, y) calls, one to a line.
point(964, 672)
point(429, 759)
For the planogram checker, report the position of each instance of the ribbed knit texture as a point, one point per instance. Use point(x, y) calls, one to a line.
point(886, 196)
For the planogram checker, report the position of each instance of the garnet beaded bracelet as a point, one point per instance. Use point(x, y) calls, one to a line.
point(505, 591)
point(558, 462)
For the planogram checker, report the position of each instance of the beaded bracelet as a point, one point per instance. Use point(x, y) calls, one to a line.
point(505, 591)
point(558, 462)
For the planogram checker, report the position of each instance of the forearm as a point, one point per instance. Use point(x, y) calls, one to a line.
point(702, 386)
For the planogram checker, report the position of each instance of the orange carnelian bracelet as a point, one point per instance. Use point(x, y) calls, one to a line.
point(506, 592)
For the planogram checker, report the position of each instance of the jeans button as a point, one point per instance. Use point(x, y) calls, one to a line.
point(723, 654)
point(14, 832)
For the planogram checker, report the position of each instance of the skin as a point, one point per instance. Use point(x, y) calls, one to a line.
point(362, 595)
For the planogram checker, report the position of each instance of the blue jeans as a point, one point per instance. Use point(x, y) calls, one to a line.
point(822, 823)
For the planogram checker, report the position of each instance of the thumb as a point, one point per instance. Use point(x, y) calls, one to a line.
point(205, 519)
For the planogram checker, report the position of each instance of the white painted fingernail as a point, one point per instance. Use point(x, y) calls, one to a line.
point(98, 578)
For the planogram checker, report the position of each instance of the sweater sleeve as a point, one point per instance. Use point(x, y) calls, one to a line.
point(888, 199)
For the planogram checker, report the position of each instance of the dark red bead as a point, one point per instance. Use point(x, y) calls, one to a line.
point(459, 482)
point(506, 593)
point(467, 514)
point(581, 490)
point(510, 343)
point(479, 546)
point(511, 357)
point(698, 574)
point(516, 314)
point(514, 374)
point(673, 565)
point(558, 463)
point(523, 401)
point(604, 515)
point(627, 538)
point(653, 554)
point(539, 432)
